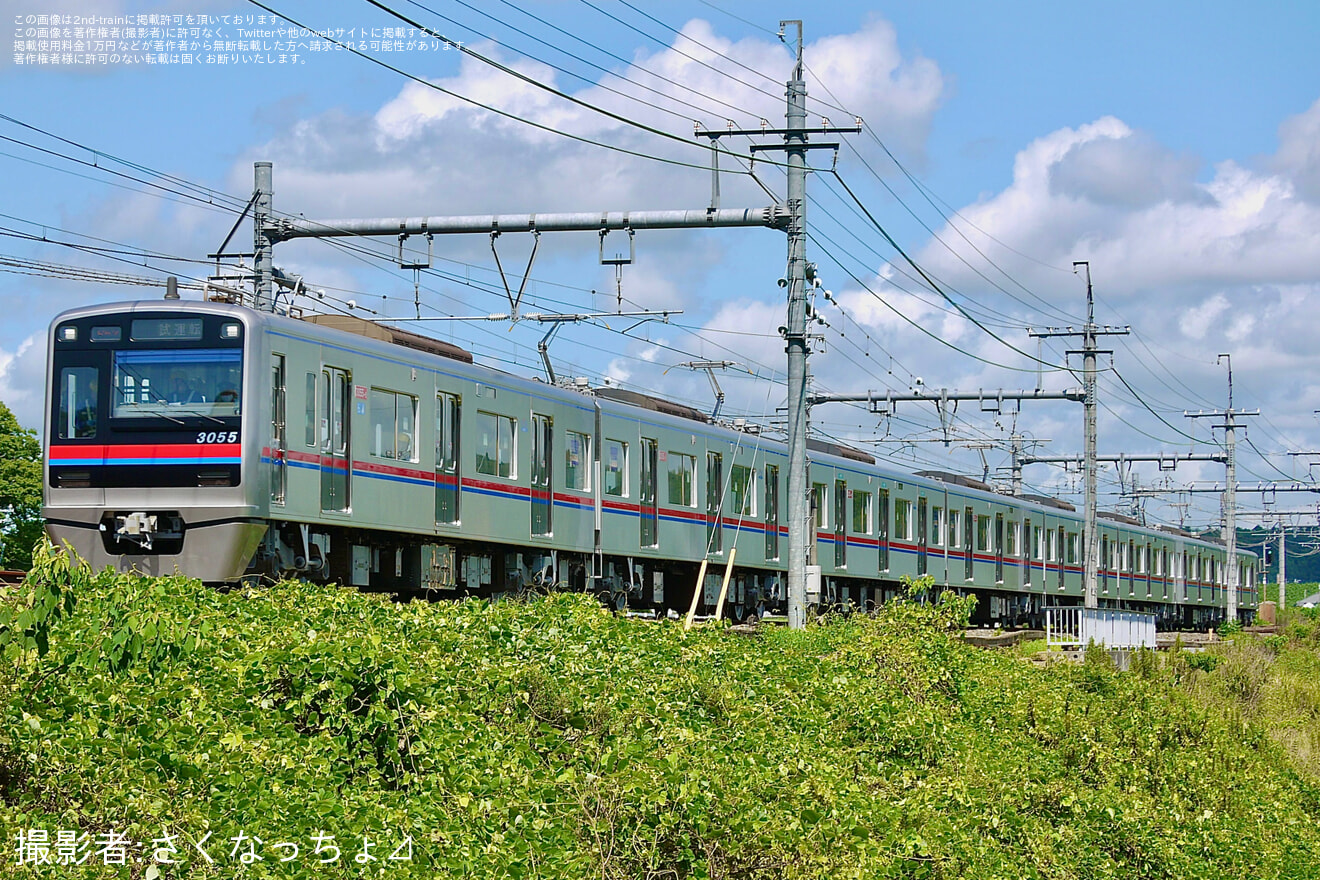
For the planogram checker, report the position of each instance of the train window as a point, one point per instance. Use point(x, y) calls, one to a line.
point(1071, 557)
point(448, 419)
point(902, 519)
point(820, 504)
point(1014, 538)
point(742, 491)
point(983, 533)
point(937, 526)
point(172, 382)
point(616, 468)
point(78, 404)
point(309, 434)
point(577, 461)
point(955, 540)
point(393, 425)
point(861, 512)
point(495, 445)
point(682, 479)
point(1052, 546)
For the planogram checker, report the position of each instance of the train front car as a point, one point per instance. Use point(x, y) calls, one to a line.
point(146, 413)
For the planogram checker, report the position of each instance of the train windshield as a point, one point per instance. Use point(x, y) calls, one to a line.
point(151, 383)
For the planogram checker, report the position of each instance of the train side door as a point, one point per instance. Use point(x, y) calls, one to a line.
point(1062, 556)
point(714, 502)
point(541, 495)
point(448, 419)
point(969, 535)
point(771, 512)
point(882, 529)
point(278, 440)
point(650, 466)
point(1026, 552)
point(923, 535)
point(840, 523)
point(336, 398)
point(999, 548)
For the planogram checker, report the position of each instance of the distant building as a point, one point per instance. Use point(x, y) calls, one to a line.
point(1311, 601)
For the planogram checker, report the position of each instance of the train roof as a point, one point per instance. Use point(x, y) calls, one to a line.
point(956, 479)
point(386, 333)
point(1118, 517)
point(838, 449)
point(1050, 501)
point(654, 404)
point(1174, 530)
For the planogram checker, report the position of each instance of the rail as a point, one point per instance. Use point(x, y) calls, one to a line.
point(1069, 627)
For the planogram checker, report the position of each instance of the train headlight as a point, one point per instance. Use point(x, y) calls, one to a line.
point(68, 334)
point(229, 331)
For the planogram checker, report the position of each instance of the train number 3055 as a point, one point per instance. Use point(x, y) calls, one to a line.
point(217, 437)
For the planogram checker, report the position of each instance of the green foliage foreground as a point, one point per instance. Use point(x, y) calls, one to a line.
point(553, 739)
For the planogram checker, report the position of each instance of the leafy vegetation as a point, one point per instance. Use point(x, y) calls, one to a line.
point(553, 739)
point(1271, 682)
point(20, 491)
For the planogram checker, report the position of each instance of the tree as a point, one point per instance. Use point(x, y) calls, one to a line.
point(20, 491)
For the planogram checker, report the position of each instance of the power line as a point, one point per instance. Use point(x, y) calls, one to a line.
point(487, 107)
point(936, 287)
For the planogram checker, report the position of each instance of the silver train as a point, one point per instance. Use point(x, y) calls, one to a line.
point(222, 443)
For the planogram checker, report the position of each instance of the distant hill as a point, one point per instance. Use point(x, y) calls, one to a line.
point(1303, 558)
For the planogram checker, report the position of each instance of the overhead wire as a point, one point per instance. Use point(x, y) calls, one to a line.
point(634, 64)
point(490, 108)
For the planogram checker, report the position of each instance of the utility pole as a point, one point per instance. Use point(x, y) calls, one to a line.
point(1283, 566)
point(1283, 544)
point(1016, 473)
point(263, 247)
point(795, 146)
point(1230, 482)
point(1089, 350)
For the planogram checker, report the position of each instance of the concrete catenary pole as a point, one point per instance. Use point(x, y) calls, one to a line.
point(263, 249)
point(1229, 502)
point(1230, 498)
point(1283, 567)
point(1091, 578)
point(796, 340)
point(1090, 350)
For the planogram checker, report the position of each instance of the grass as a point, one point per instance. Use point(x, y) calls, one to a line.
point(553, 739)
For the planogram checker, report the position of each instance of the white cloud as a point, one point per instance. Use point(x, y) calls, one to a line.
point(426, 151)
point(1298, 156)
point(22, 373)
point(1197, 319)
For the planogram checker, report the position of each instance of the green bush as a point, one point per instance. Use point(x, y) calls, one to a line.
point(552, 739)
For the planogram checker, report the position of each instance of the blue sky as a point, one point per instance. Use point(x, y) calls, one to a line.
point(1171, 144)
